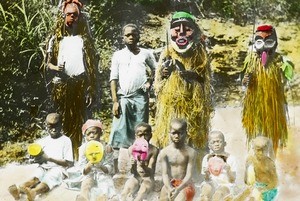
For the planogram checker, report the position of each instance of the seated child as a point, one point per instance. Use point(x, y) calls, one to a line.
point(55, 156)
point(96, 174)
point(178, 165)
point(218, 169)
point(261, 170)
point(143, 166)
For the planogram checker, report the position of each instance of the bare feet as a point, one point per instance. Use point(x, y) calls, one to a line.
point(244, 194)
point(14, 191)
point(101, 198)
point(30, 193)
point(81, 198)
point(204, 198)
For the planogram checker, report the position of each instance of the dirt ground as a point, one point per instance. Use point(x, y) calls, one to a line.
point(226, 119)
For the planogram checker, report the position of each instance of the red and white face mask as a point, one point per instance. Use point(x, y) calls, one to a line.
point(182, 35)
point(215, 165)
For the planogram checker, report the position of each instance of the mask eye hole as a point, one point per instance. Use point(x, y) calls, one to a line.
point(269, 43)
point(259, 44)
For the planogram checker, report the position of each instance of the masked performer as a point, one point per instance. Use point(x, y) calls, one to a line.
point(183, 83)
point(71, 70)
point(264, 104)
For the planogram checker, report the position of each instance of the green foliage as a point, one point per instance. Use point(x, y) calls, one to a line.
point(148, 2)
point(293, 8)
point(245, 10)
point(12, 153)
point(23, 25)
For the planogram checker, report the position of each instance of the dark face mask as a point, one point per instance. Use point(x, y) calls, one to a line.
point(265, 46)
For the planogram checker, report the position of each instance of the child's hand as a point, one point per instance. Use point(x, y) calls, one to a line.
point(207, 174)
point(146, 87)
point(141, 162)
point(173, 194)
point(132, 161)
point(43, 158)
point(89, 99)
point(58, 68)
point(116, 109)
point(39, 159)
point(88, 168)
point(227, 167)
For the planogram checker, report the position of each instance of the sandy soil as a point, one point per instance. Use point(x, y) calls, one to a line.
point(225, 119)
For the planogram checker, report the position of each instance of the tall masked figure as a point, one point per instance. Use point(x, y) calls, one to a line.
point(183, 83)
point(265, 73)
point(71, 70)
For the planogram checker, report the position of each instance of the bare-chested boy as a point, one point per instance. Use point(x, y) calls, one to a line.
point(143, 171)
point(261, 170)
point(178, 163)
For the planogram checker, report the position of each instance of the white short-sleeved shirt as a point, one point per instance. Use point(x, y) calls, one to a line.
point(59, 148)
point(71, 55)
point(130, 69)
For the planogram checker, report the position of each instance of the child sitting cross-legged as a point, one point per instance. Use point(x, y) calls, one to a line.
point(96, 163)
point(218, 168)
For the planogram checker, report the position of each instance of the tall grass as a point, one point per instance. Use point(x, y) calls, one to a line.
point(23, 29)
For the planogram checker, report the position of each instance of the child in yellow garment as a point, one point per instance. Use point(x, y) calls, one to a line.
point(97, 181)
point(261, 171)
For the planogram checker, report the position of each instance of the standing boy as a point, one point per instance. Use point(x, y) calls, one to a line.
point(130, 99)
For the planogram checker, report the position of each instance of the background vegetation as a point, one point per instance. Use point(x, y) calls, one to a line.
point(25, 26)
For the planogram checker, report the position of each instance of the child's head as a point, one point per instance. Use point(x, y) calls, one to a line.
point(143, 130)
point(260, 146)
point(92, 130)
point(216, 141)
point(178, 131)
point(53, 125)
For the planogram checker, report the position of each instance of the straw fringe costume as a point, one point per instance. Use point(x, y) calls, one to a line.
point(178, 97)
point(264, 105)
point(69, 93)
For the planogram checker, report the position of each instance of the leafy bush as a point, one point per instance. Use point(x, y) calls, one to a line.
point(293, 8)
point(23, 27)
point(12, 153)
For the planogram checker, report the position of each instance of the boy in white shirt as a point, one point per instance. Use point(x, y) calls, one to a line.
point(218, 168)
point(55, 157)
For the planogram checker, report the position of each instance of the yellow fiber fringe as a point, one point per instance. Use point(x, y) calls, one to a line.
point(264, 105)
point(177, 98)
